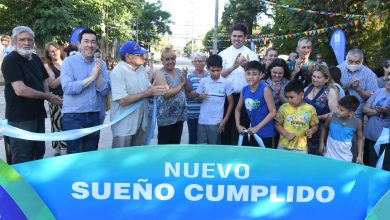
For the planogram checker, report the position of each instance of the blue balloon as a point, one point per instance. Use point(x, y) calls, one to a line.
point(338, 42)
point(74, 36)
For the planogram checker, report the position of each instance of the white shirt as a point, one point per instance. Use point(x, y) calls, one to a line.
point(211, 109)
point(125, 80)
point(237, 76)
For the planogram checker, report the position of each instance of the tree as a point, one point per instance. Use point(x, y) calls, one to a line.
point(153, 22)
point(242, 11)
point(54, 19)
point(236, 11)
point(371, 36)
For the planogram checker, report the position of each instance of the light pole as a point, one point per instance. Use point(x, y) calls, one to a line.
point(215, 46)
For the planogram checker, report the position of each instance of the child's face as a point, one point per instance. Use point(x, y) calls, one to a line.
point(5, 42)
point(252, 76)
point(343, 112)
point(295, 99)
point(215, 72)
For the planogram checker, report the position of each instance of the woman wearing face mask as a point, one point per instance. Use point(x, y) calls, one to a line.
point(377, 109)
point(323, 96)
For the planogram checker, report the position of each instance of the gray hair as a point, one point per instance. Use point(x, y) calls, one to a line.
point(195, 55)
point(21, 29)
point(303, 40)
point(354, 51)
point(386, 63)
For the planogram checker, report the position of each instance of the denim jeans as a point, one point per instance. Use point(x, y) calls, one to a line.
point(72, 121)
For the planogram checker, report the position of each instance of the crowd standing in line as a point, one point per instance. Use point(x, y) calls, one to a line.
point(301, 106)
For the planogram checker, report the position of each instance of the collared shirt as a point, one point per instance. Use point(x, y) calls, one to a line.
point(367, 81)
point(211, 109)
point(237, 76)
point(7, 50)
point(77, 99)
point(124, 81)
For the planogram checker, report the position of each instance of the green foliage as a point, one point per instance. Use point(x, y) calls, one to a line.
point(53, 20)
point(236, 11)
point(242, 11)
point(189, 48)
point(371, 36)
point(153, 22)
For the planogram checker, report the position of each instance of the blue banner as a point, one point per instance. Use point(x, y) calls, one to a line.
point(204, 182)
point(74, 36)
point(338, 42)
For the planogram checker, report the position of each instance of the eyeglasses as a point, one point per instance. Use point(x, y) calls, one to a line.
point(169, 58)
point(198, 61)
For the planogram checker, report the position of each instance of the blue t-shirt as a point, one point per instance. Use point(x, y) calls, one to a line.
point(257, 109)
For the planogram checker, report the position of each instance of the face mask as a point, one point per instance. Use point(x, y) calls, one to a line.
point(353, 68)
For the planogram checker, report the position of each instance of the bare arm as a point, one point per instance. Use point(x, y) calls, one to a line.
point(369, 111)
point(324, 134)
point(237, 114)
point(333, 98)
point(363, 93)
point(22, 90)
point(228, 112)
point(52, 80)
point(151, 91)
point(359, 135)
point(160, 80)
point(271, 108)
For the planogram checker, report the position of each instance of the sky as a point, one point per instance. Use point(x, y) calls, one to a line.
point(191, 17)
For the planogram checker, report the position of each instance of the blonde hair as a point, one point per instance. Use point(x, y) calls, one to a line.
point(324, 71)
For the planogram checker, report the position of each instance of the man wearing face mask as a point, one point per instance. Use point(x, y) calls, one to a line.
point(358, 79)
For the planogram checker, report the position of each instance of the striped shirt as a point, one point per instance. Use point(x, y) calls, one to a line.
point(193, 107)
point(341, 133)
point(367, 81)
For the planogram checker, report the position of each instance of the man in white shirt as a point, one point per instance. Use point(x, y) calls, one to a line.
point(234, 58)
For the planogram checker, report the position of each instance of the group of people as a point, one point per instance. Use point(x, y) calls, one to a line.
point(301, 106)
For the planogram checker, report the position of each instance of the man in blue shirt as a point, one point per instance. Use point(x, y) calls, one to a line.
point(358, 79)
point(83, 79)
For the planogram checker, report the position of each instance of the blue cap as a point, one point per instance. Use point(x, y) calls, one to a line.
point(132, 47)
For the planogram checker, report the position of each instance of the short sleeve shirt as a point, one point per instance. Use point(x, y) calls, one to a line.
point(124, 81)
point(32, 73)
point(296, 121)
point(367, 81)
point(211, 109)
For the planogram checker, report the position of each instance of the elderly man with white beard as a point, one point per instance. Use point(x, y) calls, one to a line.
point(26, 88)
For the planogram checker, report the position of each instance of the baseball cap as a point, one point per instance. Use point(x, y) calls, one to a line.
point(132, 47)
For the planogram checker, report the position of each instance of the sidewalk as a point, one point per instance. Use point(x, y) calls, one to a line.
point(105, 134)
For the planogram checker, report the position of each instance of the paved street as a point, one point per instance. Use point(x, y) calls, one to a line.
point(105, 135)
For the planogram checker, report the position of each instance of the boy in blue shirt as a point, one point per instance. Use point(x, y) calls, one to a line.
point(212, 91)
point(259, 104)
point(342, 127)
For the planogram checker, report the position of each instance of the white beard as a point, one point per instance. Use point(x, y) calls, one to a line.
point(25, 52)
